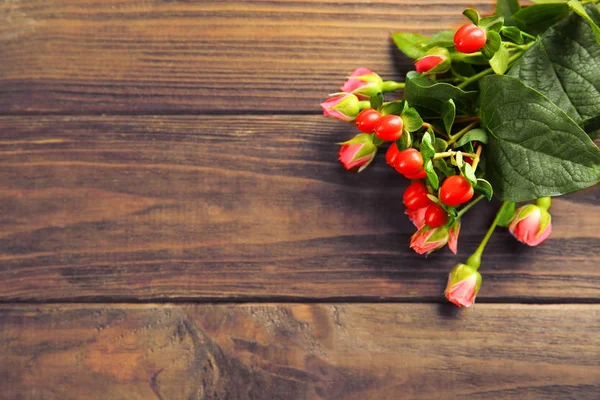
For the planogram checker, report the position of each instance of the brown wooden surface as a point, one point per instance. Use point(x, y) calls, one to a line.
point(263, 351)
point(220, 207)
point(247, 203)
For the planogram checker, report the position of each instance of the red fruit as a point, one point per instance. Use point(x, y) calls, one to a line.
point(389, 128)
point(469, 38)
point(419, 175)
point(392, 154)
point(435, 216)
point(409, 162)
point(366, 120)
point(427, 63)
point(456, 190)
point(415, 196)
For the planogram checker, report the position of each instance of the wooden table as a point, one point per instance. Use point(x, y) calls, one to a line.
point(175, 224)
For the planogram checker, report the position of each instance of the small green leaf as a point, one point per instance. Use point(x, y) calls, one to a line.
point(506, 9)
point(434, 199)
point(427, 149)
point(485, 188)
point(499, 62)
point(537, 18)
point(472, 14)
point(506, 213)
point(469, 173)
point(443, 167)
point(492, 23)
point(512, 33)
point(412, 119)
point(492, 45)
point(535, 150)
point(432, 177)
point(405, 141)
point(440, 145)
point(428, 97)
point(376, 101)
point(474, 135)
point(459, 159)
point(448, 114)
point(394, 107)
point(578, 8)
point(415, 45)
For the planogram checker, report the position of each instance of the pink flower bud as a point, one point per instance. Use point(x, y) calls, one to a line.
point(463, 284)
point(343, 106)
point(357, 153)
point(453, 236)
point(364, 83)
point(531, 225)
point(427, 239)
point(417, 217)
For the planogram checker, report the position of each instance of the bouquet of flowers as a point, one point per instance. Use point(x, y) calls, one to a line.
point(505, 106)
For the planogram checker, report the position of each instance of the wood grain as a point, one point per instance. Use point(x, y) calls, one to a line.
point(150, 208)
point(288, 352)
point(157, 56)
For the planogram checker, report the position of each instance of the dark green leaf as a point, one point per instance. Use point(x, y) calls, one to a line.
point(440, 145)
point(463, 70)
point(405, 141)
point(534, 149)
point(512, 33)
point(428, 97)
point(485, 188)
point(394, 107)
point(492, 45)
point(492, 23)
point(472, 14)
point(499, 62)
point(506, 9)
point(432, 177)
point(506, 213)
point(475, 135)
point(441, 39)
point(444, 168)
point(469, 173)
point(564, 66)
point(578, 8)
point(537, 18)
point(412, 119)
point(376, 101)
point(448, 114)
point(427, 149)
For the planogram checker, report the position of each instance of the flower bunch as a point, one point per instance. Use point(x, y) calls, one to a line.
point(505, 106)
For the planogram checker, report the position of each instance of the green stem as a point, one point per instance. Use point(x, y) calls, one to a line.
point(459, 134)
point(392, 86)
point(364, 104)
point(474, 260)
point(469, 206)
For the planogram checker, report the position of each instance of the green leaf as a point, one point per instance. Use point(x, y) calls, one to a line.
point(564, 66)
point(537, 18)
point(415, 45)
point(492, 45)
point(443, 167)
point(469, 173)
point(412, 119)
point(405, 141)
point(427, 149)
point(376, 101)
point(474, 135)
point(492, 23)
point(499, 62)
point(432, 177)
point(394, 107)
point(428, 97)
point(506, 213)
point(534, 149)
point(448, 114)
point(512, 33)
point(506, 9)
point(485, 188)
point(578, 8)
point(440, 145)
point(472, 15)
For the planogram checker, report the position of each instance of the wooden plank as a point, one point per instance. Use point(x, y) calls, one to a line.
point(288, 352)
point(142, 208)
point(126, 56)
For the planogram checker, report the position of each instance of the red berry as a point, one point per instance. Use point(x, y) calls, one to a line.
point(392, 154)
point(427, 63)
point(409, 162)
point(366, 120)
point(456, 190)
point(415, 196)
point(389, 128)
point(435, 216)
point(469, 38)
point(419, 175)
